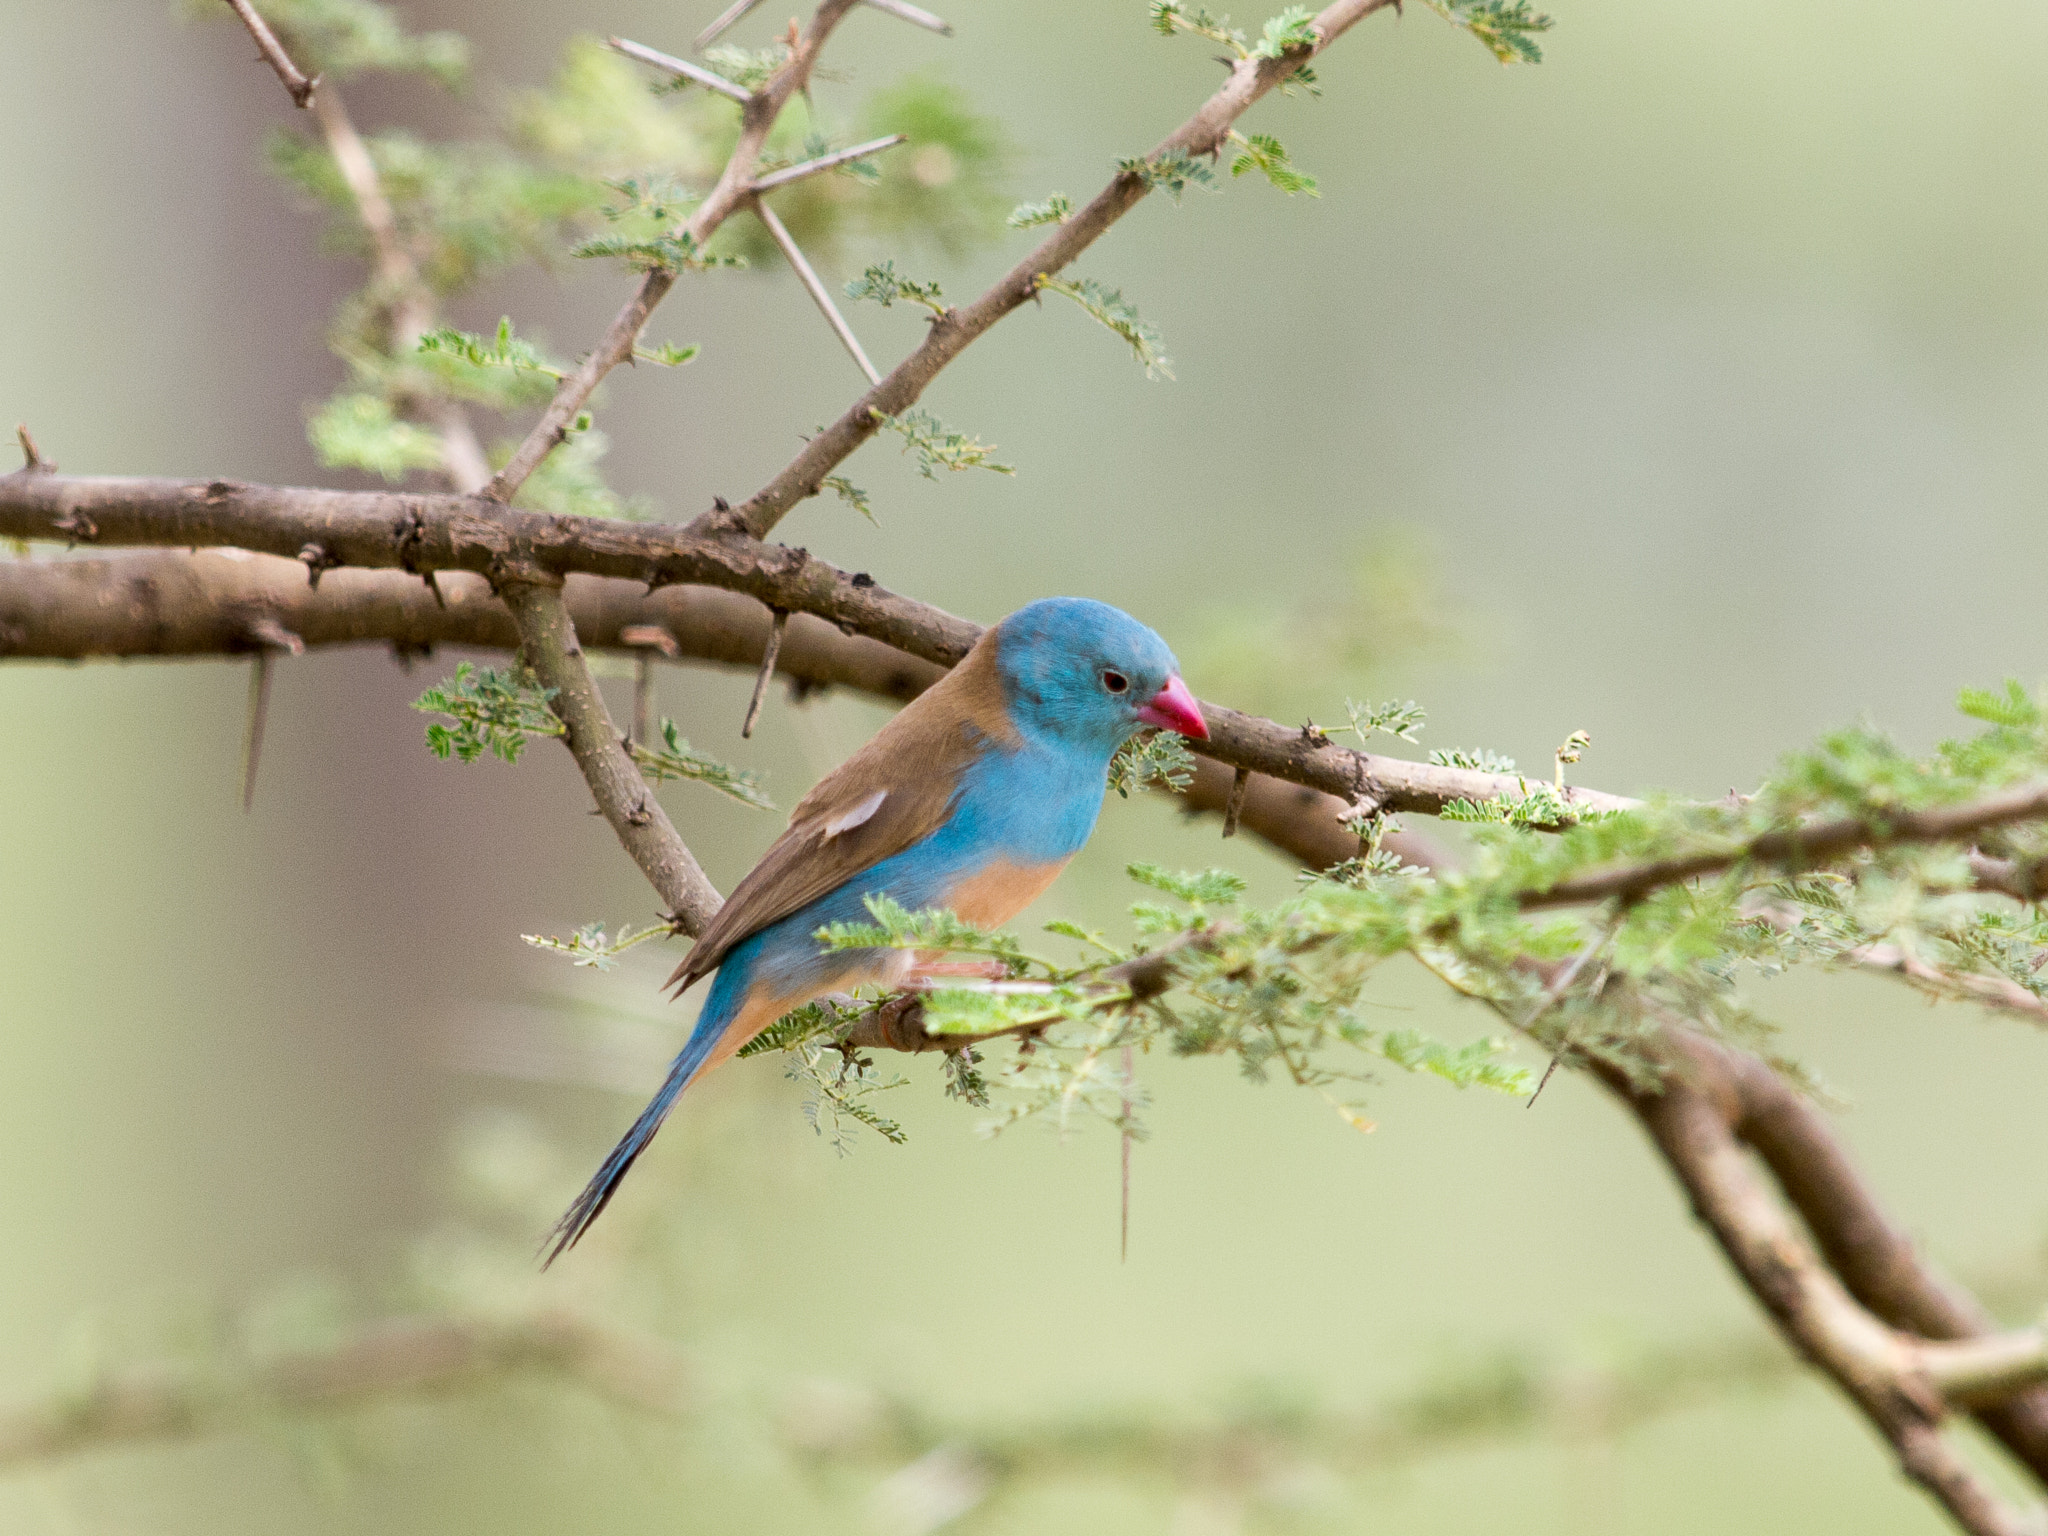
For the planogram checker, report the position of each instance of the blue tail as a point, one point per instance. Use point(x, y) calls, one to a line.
point(728, 991)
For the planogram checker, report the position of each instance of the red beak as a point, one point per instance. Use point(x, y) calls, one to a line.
point(1173, 708)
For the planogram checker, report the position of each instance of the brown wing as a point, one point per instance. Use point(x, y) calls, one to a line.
point(892, 792)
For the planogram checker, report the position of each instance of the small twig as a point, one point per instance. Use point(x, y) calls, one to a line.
point(643, 696)
point(757, 120)
point(682, 69)
point(1803, 847)
point(252, 724)
point(294, 79)
point(952, 333)
point(799, 171)
point(270, 638)
point(408, 301)
point(32, 460)
point(1240, 783)
point(817, 290)
point(914, 15)
point(727, 18)
point(549, 642)
point(646, 639)
point(1124, 1239)
point(767, 673)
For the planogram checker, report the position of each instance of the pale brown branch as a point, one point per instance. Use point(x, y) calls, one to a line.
point(549, 643)
point(682, 69)
point(1803, 847)
point(403, 1357)
point(954, 331)
point(757, 117)
point(814, 287)
point(31, 456)
point(767, 673)
point(295, 82)
point(917, 16)
point(1976, 1372)
point(420, 532)
point(407, 299)
point(1877, 1368)
point(725, 20)
point(838, 157)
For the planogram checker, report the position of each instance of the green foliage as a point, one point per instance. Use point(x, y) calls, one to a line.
point(1483, 759)
point(1396, 718)
point(1159, 760)
point(494, 711)
point(881, 284)
point(750, 68)
point(851, 494)
point(340, 38)
point(1539, 806)
point(1204, 888)
point(1169, 17)
point(588, 946)
point(1265, 154)
point(1108, 307)
point(362, 431)
point(505, 350)
point(675, 759)
point(1293, 30)
point(569, 483)
point(938, 446)
point(838, 1084)
point(669, 252)
point(1508, 28)
point(894, 927)
point(1056, 209)
point(793, 1028)
point(949, 186)
point(1173, 172)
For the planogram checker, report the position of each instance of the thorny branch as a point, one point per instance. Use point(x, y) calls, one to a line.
point(954, 331)
point(404, 1356)
point(548, 642)
point(1804, 847)
point(733, 188)
point(295, 82)
point(1893, 1379)
point(421, 532)
point(408, 302)
point(1903, 1345)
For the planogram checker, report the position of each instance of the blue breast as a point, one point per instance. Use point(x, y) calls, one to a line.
point(1032, 804)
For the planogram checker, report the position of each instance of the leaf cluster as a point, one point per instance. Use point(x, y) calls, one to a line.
point(881, 284)
point(494, 711)
point(1160, 760)
point(1110, 309)
point(938, 446)
point(1508, 28)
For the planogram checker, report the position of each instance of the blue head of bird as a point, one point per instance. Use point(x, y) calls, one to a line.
point(1087, 676)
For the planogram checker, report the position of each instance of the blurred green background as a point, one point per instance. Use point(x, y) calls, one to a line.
point(1694, 379)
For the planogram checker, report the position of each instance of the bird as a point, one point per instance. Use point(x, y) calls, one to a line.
point(972, 798)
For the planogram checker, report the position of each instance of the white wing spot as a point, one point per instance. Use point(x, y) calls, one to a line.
point(860, 811)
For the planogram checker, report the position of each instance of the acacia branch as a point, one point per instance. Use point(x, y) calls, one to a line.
point(952, 332)
point(1882, 1371)
point(419, 532)
point(295, 82)
point(757, 117)
point(404, 1357)
point(408, 302)
point(548, 641)
point(1803, 847)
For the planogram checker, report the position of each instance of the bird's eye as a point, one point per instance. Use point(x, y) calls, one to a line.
point(1114, 680)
